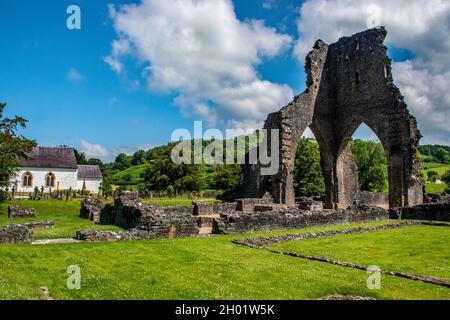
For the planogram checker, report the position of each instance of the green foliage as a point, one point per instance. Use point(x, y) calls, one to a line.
point(446, 179)
point(80, 156)
point(12, 145)
point(371, 160)
point(432, 176)
point(139, 157)
point(4, 196)
point(225, 177)
point(308, 176)
point(161, 172)
point(122, 162)
point(435, 153)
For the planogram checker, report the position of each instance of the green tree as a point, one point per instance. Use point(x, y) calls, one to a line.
point(161, 172)
point(371, 160)
point(12, 145)
point(442, 155)
point(80, 156)
point(95, 162)
point(139, 157)
point(308, 176)
point(446, 179)
point(225, 177)
point(432, 176)
point(122, 162)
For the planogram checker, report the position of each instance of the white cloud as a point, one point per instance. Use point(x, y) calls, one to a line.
point(199, 50)
point(74, 75)
point(94, 150)
point(268, 4)
point(421, 26)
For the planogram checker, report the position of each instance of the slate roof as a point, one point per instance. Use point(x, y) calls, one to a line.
point(50, 157)
point(89, 172)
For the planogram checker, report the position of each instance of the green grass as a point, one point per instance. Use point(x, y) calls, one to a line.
point(167, 202)
point(64, 214)
point(440, 168)
point(435, 188)
point(135, 172)
point(194, 268)
point(422, 250)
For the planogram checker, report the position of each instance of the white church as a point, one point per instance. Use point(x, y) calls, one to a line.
point(55, 168)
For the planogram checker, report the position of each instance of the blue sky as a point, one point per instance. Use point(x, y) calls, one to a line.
point(58, 78)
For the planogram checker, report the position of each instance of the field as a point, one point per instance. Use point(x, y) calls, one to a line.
point(215, 268)
point(441, 169)
point(63, 214)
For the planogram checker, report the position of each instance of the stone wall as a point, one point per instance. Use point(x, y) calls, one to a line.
point(428, 211)
point(16, 233)
point(21, 212)
point(292, 218)
point(91, 209)
point(374, 199)
point(349, 82)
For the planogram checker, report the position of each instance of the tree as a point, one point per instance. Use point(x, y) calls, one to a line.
point(226, 177)
point(12, 145)
point(139, 157)
point(442, 155)
point(122, 162)
point(95, 162)
point(371, 161)
point(446, 179)
point(80, 156)
point(308, 176)
point(432, 176)
point(161, 172)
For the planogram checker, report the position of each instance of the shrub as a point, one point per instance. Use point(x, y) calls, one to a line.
point(4, 196)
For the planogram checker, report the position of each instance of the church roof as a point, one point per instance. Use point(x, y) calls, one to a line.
point(50, 157)
point(89, 172)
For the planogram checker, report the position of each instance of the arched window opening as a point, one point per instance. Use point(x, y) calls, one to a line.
point(370, 158)
point(27, 179)
point(50, 180)
point(308, 174)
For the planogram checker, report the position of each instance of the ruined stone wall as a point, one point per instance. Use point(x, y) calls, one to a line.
point(374, 199)
point(16, 233)
point(428, 211)
point(292, 218)
point(348, 83)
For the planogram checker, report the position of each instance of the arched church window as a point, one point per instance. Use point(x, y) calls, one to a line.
point(50, 180)
point(27, 179)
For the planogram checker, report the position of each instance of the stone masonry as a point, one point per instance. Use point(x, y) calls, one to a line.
point(348, 83)
point(21, 212)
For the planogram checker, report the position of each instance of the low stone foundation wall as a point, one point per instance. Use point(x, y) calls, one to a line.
point(293, 218)
point(102, 235)
point(429, 211)
point(16, 233)
point(39, 224)
point(21, 212)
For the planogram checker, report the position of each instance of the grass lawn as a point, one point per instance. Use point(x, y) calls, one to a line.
point(435, 188)
point(422, 250)
point(134, 173)
point(440, 168)
point(64, 214)
point(194, 268)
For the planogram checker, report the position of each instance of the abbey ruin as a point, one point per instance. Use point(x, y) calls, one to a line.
point(348, 83)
